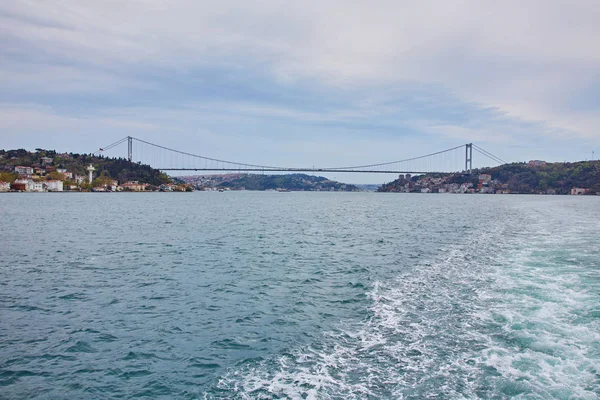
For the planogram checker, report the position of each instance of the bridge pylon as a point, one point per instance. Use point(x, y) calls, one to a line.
point(468, 157)
point(129, 148)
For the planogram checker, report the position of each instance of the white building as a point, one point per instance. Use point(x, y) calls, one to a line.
point(29, 184)
point(485, 178)
point(54, 186)
point(579, 191)
point(4, 186)
point(134, 186)
point(38, 187)
point(20, 170)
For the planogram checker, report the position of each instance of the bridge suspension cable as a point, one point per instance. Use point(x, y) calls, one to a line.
point(206, 158)
point(489, 155)
point(169, 159)
point(399, 161)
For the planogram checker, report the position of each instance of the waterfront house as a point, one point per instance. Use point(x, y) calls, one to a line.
point(579, 191)
point(108, 186)
point(25, 185)
point(134, 186)
point(38, 187)
point(54, 186)
point(4, 186)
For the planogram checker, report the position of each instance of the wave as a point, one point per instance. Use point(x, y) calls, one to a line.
point(491, 317)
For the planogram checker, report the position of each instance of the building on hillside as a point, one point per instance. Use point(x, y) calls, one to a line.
point(4, 186)
point(54, 186)
point(79, 179)
point(579, 191)
point(46, 161)
point(23, 171)
point(485, 178)
point(536, 163)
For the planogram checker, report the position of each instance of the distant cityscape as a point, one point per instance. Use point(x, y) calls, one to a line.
point(533, 177)
point(485, 185)
point(49, 171)
point(45, 174)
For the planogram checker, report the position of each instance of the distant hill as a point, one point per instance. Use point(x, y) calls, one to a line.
point(115, 168)
point(528, 178)
point(295, 182)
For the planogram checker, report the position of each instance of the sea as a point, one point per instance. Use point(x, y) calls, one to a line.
point(301, 295)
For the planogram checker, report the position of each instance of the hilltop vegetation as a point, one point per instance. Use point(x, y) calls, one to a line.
point(527, 178)
point(296, 182)
point(561, 177)
point(115, 168)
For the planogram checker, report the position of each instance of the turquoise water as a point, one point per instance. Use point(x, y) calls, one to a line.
point(299, 295)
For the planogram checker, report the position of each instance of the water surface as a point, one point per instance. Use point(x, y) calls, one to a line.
point(299, 295)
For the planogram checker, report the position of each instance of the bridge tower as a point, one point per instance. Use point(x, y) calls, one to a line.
point(129, 148)
point(468, 157)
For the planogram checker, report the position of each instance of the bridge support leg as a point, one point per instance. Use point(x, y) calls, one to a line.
point(468, 157)
point(129, 148)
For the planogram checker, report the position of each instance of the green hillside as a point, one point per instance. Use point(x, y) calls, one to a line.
point(114, 168)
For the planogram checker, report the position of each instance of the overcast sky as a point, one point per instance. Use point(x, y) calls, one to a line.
point(303, 82)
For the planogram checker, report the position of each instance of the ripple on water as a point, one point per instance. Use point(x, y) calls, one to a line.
point(314, 295)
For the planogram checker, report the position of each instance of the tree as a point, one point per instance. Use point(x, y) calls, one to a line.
point(7, 177)
point(102, 181)
point(55, 176)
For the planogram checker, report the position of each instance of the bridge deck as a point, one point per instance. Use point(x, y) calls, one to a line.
point(363, 171)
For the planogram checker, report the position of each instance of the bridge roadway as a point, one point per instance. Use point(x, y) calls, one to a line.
point(302, 170)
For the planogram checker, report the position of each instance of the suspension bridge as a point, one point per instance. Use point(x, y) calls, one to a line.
point(457, 159)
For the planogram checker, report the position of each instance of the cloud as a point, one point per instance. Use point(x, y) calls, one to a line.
point(505, 73)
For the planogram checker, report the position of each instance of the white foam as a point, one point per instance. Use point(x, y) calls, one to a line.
point(494, 315)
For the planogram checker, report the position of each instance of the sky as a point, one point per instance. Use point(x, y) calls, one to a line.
point(303, 83)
